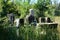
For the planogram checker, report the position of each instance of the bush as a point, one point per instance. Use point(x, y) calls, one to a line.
point(29, 32)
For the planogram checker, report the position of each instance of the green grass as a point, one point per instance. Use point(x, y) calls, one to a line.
point(28, 32)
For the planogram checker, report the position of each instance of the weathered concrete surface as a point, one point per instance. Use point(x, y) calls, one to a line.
point(48, 25)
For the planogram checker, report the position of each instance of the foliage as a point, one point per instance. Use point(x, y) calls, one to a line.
point(44, 8)
point(1, 5)
point(23, 8)
point(57, 10)
point(29, 32)
point(8, 7)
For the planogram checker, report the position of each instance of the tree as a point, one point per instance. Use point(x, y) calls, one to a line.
point(1, 5)
point(44, 8)
point(23, 7)
point(8, 7)
point(57, 10)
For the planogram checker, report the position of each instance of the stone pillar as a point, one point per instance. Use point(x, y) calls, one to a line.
point(11, 18)
point(40, 20)
point(30, 18)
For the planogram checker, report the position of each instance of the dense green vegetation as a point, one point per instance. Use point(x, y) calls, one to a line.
point(42, 8)
point(29, 33)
